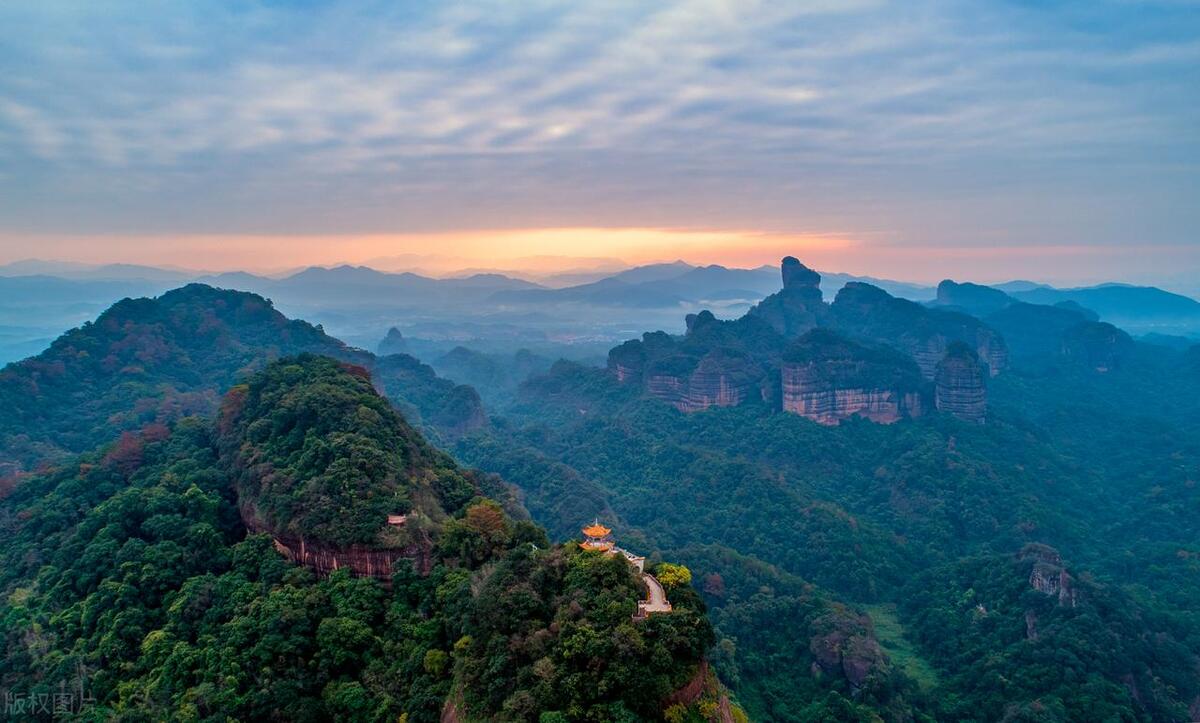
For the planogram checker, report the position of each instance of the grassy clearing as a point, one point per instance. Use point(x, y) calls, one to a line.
point(890, 633)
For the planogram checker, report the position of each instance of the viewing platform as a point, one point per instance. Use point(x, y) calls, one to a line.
point(598, 537)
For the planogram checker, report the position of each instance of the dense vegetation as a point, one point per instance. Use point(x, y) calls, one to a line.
point(318, 454)
point(149, 361)
point(128, 575)
point(1101, 464)
point(853, 573)
point(143, 361)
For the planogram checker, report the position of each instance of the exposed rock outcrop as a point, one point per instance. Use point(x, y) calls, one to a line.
point(1048, 576)
point(845, 646)
point(721, 378)
point(727, 363)
point(959, 386)
point(798, 307)
point(362, 561)
point(827, 378)
point(798, 276)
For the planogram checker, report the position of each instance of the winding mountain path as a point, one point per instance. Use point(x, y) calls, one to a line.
point(658, 597)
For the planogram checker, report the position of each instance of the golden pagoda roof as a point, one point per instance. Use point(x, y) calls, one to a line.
point(596, 530)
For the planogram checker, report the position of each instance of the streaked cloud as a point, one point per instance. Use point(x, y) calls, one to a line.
point(922, 122)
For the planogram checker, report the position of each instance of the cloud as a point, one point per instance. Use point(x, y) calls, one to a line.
point(841, 116)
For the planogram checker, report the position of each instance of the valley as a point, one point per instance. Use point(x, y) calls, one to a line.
point(857, 504)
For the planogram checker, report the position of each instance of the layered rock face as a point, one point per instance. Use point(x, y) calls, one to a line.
point(721, 378)
point(828, 379)
point(806, 394)
point(709, 366)
point(1048, 576)
point(797, 308)
point(362, 561)
point(1100, 346)
point(959, 386)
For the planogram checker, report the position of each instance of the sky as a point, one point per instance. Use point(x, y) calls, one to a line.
point(918, 140)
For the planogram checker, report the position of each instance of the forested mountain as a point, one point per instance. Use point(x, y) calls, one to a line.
point(154, 360)
point(129, 578)
point(230, 521)
point(921, 528)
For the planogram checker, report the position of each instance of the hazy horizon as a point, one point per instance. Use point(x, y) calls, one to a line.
point(972, 140)
point(560, 271)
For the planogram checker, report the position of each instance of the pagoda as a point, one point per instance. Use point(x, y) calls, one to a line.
point(597, 537)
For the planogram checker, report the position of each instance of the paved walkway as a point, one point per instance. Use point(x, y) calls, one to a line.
point(658, 598)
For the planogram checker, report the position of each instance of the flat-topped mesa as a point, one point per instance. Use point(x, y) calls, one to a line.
point(799, 306)
point(959, 386)
point(828, 379)
point(869, 312)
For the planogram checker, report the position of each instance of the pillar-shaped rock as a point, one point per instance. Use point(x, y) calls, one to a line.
point(959, 384)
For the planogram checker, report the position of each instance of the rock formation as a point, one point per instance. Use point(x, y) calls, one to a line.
point(1047, 574)
point(845, 646)
point(361, 560)
point(393, 343)
point(827, 378)
point(959, 386)
point(721, 378)
point(798, 307)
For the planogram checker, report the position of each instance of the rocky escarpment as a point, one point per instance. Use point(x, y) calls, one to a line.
point(866, 311)
point(1047, 574)
point(721, 378)
point(362, 560)
point(1097, 345)
point(716, 363)
point(798, 307)
point(959, 386)
point(827, 378)
point(727, 363)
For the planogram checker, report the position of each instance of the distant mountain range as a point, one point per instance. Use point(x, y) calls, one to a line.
point(41, 299)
